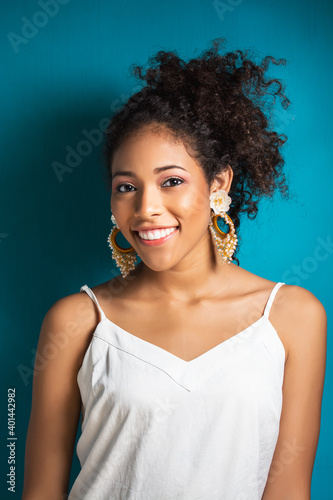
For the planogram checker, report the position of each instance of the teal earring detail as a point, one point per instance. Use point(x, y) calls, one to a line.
point(125, 257)
point(225, 242)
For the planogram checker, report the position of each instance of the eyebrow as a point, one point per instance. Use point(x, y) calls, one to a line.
point(156, 171)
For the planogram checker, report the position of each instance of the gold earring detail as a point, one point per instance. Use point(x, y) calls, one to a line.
point(125, 257)
point(225, 242)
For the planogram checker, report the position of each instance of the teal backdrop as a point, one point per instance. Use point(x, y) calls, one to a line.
point(64, 72)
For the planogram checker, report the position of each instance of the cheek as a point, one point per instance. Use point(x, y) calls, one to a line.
point(119, 208)
point(195, 204)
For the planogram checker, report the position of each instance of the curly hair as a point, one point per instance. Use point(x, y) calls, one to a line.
point(221, 108)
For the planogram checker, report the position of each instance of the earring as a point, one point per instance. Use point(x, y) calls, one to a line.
point(125, 257)
point(225, 242)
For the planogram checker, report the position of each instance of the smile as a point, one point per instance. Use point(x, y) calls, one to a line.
point(155, 237)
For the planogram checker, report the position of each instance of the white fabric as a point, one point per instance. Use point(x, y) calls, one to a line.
point(156, 427)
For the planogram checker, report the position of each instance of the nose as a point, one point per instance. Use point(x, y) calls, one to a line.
point(148, 202)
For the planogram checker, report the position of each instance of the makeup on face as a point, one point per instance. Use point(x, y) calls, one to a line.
point(158, 193)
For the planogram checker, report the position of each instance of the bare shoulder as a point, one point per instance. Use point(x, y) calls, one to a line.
point(69, 324)
point(76, 308)
point(300, 304)
point(299, 317)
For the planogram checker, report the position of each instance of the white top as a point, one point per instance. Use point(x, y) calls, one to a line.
point(156, 427)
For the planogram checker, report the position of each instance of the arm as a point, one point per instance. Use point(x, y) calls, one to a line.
point(291, 468)
point(55, 412)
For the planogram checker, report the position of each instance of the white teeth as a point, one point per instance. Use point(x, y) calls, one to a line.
point(156, 235)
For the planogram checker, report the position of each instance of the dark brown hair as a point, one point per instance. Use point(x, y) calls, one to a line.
point(222, 108)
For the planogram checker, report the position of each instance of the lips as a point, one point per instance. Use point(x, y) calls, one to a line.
point(159, 238)
point(156, 234)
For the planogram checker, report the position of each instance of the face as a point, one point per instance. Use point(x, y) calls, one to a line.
point(157, 185)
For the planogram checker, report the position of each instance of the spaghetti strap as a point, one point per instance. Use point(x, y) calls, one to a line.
point(271, 298)
point(91, 294)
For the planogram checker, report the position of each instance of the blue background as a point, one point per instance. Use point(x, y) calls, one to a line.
point(64, 76)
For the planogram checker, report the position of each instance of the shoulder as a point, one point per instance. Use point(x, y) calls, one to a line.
point(73, 311)
point(297, 315)
point(300, 319)
point(69, 325)
point(301, 304)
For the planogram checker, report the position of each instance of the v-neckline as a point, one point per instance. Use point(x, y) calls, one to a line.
point(192, 374)
point(185, 362)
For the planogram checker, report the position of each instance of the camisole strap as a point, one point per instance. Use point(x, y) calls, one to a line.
point(271, 298)
point(91, 294)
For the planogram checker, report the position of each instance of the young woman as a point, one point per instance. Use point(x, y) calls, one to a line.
point(195, 378)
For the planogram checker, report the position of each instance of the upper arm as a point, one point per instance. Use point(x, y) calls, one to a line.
point(56, 402)
point(291, 468)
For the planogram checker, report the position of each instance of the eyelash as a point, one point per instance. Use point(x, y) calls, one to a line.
point(126, 184)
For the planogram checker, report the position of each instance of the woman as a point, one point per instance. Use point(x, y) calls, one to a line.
point(196, 378)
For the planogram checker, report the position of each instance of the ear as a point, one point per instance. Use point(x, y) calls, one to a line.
point(222, 180)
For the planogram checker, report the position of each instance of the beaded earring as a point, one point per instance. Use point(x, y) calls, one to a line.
point(225, 242)
point(125, 257)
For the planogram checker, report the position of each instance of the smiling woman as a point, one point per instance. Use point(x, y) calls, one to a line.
point(195, 378)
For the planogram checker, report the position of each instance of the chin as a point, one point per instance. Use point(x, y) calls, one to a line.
point(158, 266)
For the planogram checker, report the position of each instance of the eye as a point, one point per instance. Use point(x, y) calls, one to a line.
point(174, 179)
point(125, 185)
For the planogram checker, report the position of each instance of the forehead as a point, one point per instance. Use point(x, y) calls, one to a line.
point(156, 143)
